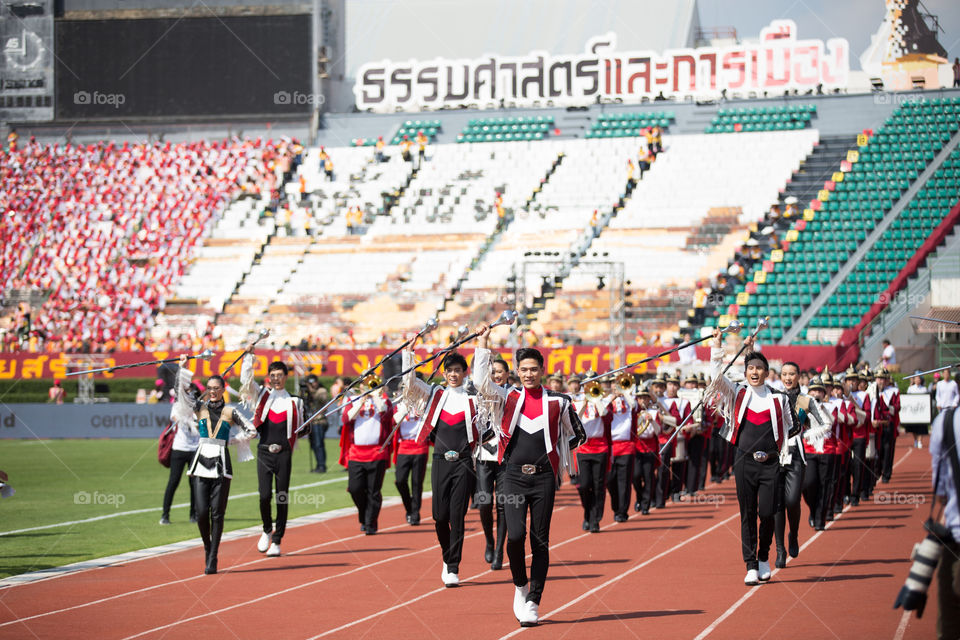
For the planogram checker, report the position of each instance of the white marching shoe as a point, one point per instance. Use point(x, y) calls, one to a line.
point(264, 543)
point(531, 614)
point(449, 579)
point(764, 571)
point(752, 578)
point(520, 602)
point(274, 550)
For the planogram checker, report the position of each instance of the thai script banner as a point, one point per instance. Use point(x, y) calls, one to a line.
point(776, 63)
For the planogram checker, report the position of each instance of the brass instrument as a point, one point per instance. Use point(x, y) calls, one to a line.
point(625, 381)
point(593, 390)
point(372, 380)
point(645, 422)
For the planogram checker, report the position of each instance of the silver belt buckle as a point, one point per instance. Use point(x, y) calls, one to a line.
point(760, 456)
point(451, 456)
point(274, 448)
point(528, 469)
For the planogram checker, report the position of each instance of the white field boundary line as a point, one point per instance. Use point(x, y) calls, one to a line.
point(119, 514)
point(753, 590)
point(628, 572)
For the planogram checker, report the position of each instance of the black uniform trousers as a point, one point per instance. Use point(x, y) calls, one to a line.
point(212, 495)
point(790, 485)
point(756, 493)
point(273, 471)
point(695, 451)
point(179, 460)
point(663, 476)
point(535, 494)
point(859, 466)
point(817, 485)
point(489, 488)
point(644, 478)
point(411, 470)
point(591, 484)
point(619, 482)
point(453, 483)
point(887, 447)
point(365, 486)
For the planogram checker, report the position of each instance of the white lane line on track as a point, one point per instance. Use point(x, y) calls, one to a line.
point(902, 627)
point(626, 573)
point(350, 512)
point(726, 614)
point(221, 610)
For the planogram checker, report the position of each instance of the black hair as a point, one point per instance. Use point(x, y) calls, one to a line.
point(453, 359)
point(276, 365)
point(501, 361)
point(791, 363)
point(756, 355)
point(217, 378)
point(529, 353)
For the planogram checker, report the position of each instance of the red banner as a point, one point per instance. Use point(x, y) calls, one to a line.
point(347, 362)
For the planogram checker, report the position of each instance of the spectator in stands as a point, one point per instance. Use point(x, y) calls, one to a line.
point(56, 393)
point(378, 150)
point(631, 181)
point(948, 395)
point(13, 136)
point(421, 148)
point(889, 355)
point(405, 153)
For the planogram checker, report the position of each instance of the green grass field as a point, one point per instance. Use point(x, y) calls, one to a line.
point(67, 480)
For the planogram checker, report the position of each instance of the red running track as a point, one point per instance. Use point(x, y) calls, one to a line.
point(673, 574)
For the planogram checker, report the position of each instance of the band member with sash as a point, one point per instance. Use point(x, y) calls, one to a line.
point(872, 471)
point(806, 415)
point(211, 470)
point(593, 456)
point(623, 433)
point(676, 410)
point(758, 423)
point(647, 444)
point(820, 471)
point(889, 399)
point(859, 465)
point(410, 458)
point(845, 439)
point(488, 472)
point(695, 442)
point(365, 452)
point(537, 431)
point(277, 417)
point(449, 421)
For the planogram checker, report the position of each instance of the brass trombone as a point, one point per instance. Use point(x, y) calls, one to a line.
point(593, 390)
point(625, 381)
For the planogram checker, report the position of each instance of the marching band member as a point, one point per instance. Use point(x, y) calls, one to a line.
point(758, 422)
point(861, 432)
point(277, 417)
point(488, 473)
point(449, 421)
point(410, 458)
point(668, 423)
point(695, 444)
point(889, 399)
point(537, 431)
point(365, 451)
point(211, 469)
point(593, 456)
point(869, 386)
point(647, 444)
point(673, 467)
point(623, 433)
point(706, 428)
point(848, 419)
point(819, 476)
point(807, 416)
